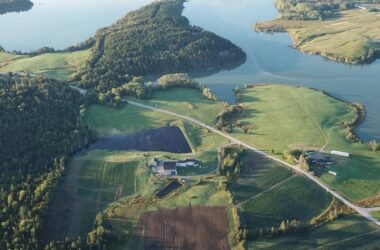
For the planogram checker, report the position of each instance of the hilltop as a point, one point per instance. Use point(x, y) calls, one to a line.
point(155, 40)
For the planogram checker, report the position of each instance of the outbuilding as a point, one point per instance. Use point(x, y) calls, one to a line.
point(340, 153)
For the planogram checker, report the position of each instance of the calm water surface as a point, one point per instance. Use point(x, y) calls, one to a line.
point(60, 24)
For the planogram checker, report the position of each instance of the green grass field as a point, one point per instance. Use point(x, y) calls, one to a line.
point(104, 178)
point(297, 198)
point(129, 119)
point(186, 101)
point(286, 117)
point(351, 38)
point(348, 232)
point(376, 215)
point(6, 57)
point(60, 65)
point(258, 175)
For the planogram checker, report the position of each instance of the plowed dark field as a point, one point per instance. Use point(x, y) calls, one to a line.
point(185, 228)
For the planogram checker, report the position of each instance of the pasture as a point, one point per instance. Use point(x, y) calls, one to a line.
point(286, 117)
point(258, 174)
point(188, 102)
point(349, 231)
point(352, 38)
point(59, 65)
point(93, 182)
point(296, 199)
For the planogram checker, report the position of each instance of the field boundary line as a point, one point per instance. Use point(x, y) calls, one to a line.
point(266, 190)
point(345, 239)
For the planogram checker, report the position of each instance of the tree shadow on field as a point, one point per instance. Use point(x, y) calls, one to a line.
point(361, 168)
point(250, 98)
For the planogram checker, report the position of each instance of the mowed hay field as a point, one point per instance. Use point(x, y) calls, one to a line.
point(258, 175)
point(59, 65)
point(188, 102)
point(129, 119)
point(106, 180)
point(185, 228)
point(353, 37)
point(296, 199)
point(93, 182)
point(286, 117)
point(347, 232)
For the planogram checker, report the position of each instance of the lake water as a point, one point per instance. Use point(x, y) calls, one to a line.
point(166, 139)
point(60, 24)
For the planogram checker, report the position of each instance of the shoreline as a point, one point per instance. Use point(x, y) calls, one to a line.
point(361, 112)
point(271, 29)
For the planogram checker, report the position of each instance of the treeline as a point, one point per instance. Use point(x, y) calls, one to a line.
point(82, 46)
point(155, 40)
point(40, 123)
point(228, 118)
point(136, 87)
point(14, 6)
point(231, 161)
point(183, 80)
point(286, 227)
point(312, 10)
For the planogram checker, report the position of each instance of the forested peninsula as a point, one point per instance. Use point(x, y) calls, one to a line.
point(155, 40)
point(344, 31)
point(14, 6)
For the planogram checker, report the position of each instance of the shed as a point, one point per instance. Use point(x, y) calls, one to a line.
point(332, 172)
point(340, 153)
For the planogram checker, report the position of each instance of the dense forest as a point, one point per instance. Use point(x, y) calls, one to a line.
point(40, 124)
point(14, 6)
point(155, 40)
point(314, 10)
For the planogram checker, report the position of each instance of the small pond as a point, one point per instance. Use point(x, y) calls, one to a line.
point(168, 189)
point(166, 139)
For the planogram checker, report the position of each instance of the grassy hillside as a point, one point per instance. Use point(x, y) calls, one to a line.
point(186, 101)
point(60, 65)
point(129, 119)
point(6, 57)
point(285, 117)
point(353, 37)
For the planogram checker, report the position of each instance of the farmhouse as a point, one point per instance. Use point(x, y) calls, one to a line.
point(169, 168)
point(318, 159)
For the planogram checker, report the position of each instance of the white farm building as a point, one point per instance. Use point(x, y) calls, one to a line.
point(169, 168)
point(340, 153)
